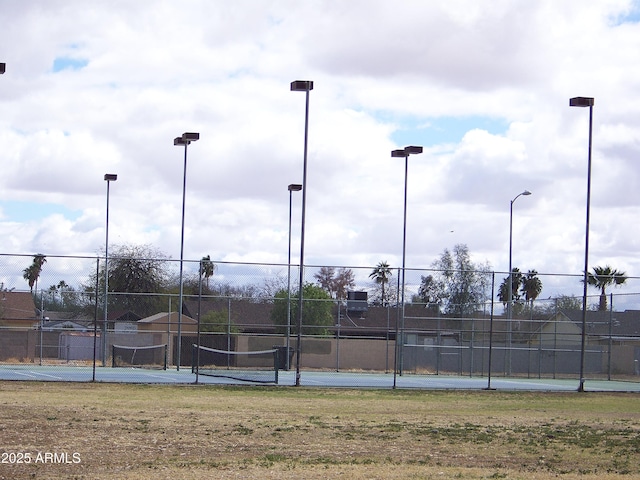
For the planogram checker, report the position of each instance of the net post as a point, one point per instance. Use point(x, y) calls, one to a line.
point(113, 356)
point(276, 361)
point(194, 355)
point(165, 356)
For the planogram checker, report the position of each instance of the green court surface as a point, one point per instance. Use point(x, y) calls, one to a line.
point(307, 379)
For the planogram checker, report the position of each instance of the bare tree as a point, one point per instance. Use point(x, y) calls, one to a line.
point(336, 284)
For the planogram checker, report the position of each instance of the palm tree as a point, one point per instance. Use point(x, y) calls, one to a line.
point(29, 275)
point(381, 275)
point(516, 281)
point(32, 272)
point(62, 287)
point(208, 268)
point(601, 278)
point(503, 292)
point(531, 287)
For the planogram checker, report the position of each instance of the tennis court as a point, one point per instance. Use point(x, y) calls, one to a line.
point(307, 379)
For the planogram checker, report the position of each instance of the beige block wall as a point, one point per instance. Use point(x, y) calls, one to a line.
point(331, 353)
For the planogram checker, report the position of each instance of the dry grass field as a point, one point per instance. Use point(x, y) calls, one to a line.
point(113, 431)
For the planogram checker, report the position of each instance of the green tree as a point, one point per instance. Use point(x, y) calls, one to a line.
point(381, 275)
point(566, 302)
point(601, 278)
point(462, 283)
point(561, 303)
point(63, 297)
point(430, 292)
point(531, 287)
point(217, 321)
point(208, 269)
point(33, 271)
point(53, 293)
point(316, 311)
point(503, 291)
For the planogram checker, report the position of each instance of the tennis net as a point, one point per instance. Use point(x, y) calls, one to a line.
point(259, 366)
point(152, 356)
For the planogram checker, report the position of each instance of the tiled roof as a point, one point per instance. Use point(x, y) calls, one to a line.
point(162, 317)
point(17, 306)
point(620, 324)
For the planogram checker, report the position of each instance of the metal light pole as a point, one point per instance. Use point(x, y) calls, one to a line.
point(294, 187)
point(302, 86)
point(108, 177)
point(585, 102)
point(404, 153)
point(510, 295)
point(185, 140)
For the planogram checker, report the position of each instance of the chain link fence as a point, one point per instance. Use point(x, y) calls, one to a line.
point(66, 317)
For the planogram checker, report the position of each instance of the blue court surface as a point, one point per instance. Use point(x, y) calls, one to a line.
point(307, 379)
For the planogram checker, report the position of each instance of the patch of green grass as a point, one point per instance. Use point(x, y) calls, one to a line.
point(242, 430)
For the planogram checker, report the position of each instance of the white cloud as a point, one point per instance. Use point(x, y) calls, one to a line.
point(157, 69)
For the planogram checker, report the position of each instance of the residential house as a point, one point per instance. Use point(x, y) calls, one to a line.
point(164, 322)
point(122, 321)
point(64, 325)
point(18, 310)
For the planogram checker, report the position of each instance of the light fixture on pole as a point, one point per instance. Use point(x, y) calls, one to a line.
point(108, 177)
point(510, 288)
point(404, 153)
point(302, 86)
point(185, 140)
point(585, 102)
point(294, 187)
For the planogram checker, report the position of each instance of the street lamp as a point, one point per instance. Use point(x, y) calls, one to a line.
point(302, 86)
point(294, 187)
point(585, 102)
point(185, 140)
point(108, 177)
point(510, 290)
point(411, 150)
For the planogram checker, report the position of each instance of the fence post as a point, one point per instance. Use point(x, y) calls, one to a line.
point(95, 324)
point(396, 348)
point(493, 278)
point(386, 361)
point(610, 337)
point(338, 341)
point(41, 325)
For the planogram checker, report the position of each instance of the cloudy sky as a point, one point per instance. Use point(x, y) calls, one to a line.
point(483, 85)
